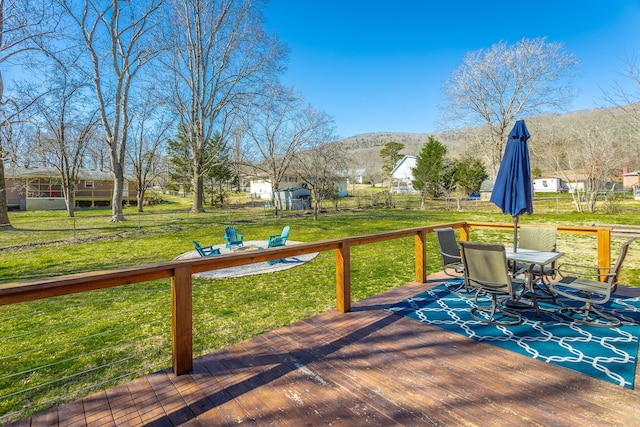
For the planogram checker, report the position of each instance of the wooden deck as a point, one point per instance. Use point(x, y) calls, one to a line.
point(366, 367)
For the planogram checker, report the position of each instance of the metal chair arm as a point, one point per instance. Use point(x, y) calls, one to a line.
point(456, 257)
point(583, 271)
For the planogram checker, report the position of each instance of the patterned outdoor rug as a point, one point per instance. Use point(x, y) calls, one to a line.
point(609, 354)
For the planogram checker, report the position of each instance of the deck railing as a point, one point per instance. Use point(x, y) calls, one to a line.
point(181, 271)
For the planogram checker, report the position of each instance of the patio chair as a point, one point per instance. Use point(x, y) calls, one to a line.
point(232, 238)
point(487, 272)
point(539, 239)
point(279, 239)
point(586, 284)
point(276, 240)
point(450, 253)
point(206, 250)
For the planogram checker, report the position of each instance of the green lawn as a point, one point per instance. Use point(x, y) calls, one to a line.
point(58, 349)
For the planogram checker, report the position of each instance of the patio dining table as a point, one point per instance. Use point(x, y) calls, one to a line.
point(533, 258)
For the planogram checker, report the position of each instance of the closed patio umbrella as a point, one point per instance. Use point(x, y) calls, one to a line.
point(512, 191)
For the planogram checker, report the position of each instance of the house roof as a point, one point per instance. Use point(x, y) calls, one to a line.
point(409, 160)
point(486, 185)
point(83, 174)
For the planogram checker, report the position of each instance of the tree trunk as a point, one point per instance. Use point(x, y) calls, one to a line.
point(276, 203)
point(4, 210)
point(591, 202)
point(198, 192)
point(118, 188)
point(575, 196)
point(70, 200)
point(316, 204)
point(140, 199)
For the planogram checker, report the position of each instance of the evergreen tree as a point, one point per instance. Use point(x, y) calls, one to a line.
point(390, 154)
point(180, 170)
point(216, 178)
point(215, 164)
point(430, 167)
point(469, 172)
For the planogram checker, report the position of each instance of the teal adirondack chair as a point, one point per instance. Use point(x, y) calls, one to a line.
point(206, 250)
point(232, 238)
point(279, 239)
point(276, 240)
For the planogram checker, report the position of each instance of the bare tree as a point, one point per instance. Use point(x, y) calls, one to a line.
point(65, 124)
point(237, 159)
point(16, 139)
point(220, 52)
point(117, 37)
point(97, 155)
point(151, 125)
point(589, 151)
point(319, 166)
point(371, 163)
point(21, 21)
point(494, 86)
point(626, 97)
point(279, 126)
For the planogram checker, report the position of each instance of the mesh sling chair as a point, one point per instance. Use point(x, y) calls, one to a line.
point(585, 284)
point(487, 273)
point(539, 239)
point(450, 253)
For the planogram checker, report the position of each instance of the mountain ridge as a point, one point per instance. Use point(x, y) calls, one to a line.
point(364, 149)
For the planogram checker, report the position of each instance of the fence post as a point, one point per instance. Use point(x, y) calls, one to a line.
point(182, 321)
point(604, 250)
point(421, 256)
point(343, 277)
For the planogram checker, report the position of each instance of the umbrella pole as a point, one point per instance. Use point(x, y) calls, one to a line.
point(515, 233)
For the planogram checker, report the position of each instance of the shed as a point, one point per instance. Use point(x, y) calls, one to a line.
point(297, 198)
point(486, 188)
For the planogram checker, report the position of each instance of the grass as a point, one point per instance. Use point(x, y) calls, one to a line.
point(62, 348)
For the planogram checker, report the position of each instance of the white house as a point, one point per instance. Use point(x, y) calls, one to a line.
point(352, 176)
point(261, 188)
point(402, 175)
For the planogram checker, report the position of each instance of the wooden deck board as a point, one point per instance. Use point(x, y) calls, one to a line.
point(366, 367)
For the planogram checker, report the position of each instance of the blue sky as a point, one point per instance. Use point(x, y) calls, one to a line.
point(379, 66)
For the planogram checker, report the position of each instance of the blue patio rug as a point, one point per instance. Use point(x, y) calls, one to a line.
point(609, 354)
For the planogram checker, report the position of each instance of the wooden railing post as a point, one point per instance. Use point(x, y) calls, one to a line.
point(343, 277)
point(421, 256)
point(604, 250)
point(464, 232)
point(182, 321)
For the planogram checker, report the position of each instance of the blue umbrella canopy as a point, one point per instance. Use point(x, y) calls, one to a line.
point(512, 190)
